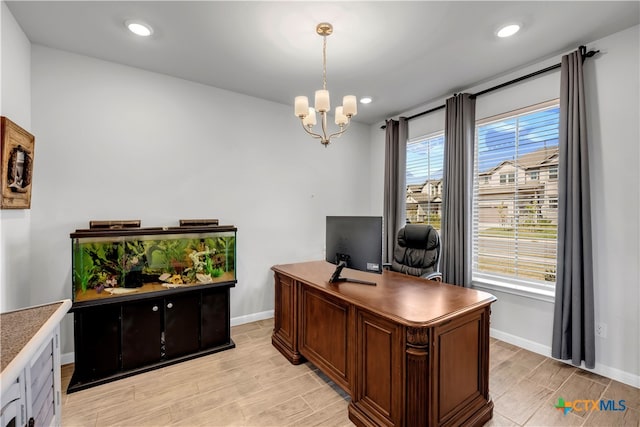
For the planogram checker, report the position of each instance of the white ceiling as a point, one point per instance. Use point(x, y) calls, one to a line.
point(403, 54)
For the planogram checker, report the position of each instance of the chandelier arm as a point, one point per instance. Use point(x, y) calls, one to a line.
point(313, 134)
point(340, 132)
point(324, 127)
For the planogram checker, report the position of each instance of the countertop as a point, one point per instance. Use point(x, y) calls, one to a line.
point(23, 331)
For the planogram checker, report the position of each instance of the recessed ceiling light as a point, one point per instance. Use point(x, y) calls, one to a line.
point(508, 30)
point(366, 100)
point(139, 28)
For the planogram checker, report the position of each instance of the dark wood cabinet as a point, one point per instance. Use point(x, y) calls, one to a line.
point(141, 333)
point(181, 324)
point(134, 334)
point(97, 342)
point(215, 319)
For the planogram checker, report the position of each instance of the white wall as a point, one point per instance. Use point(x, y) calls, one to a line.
point(121, 143)
point(15, 103)
point(611, 80)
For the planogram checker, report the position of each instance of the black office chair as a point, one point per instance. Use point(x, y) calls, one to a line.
point(417, 252)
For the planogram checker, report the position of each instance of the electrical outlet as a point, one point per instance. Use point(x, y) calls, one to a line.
point(601, 330)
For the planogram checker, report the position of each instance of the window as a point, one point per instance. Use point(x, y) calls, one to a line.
point(507, 178)
point(425, 160)
point(515, 222)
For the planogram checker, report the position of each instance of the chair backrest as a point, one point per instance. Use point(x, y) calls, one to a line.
point(417, 250)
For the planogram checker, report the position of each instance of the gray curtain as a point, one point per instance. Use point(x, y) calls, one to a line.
point(459, 137)
point(573, 321)
point(395, 159)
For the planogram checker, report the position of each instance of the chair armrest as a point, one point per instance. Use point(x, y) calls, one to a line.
point(436, 276)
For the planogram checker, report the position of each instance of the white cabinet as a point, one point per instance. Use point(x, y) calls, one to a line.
point(43, 384)
point(30, 383)
point(13, 403)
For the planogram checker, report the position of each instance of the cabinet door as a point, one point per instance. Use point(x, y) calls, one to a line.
point(379, 356)
point(13, 403)
point(182, 321)
point(324, 335)
point(141, 333)
point(215, 318)
point(97, 341)
point(41, 391)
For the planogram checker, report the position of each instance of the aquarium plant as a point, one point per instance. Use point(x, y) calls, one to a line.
point(84, 276)
point(105, 257)
point(134, 257)
point(226, 245)
point(174, 254)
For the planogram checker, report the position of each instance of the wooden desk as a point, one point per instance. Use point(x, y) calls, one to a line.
point(409, 352)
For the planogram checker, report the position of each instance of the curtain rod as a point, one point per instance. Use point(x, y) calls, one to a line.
point(583, 53)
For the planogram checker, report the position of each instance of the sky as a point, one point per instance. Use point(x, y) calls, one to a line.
point(497, 141)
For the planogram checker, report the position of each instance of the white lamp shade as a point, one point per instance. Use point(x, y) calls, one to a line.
point(341, 119)
point(350, 105)
point(322, 101)
point(301, 106)
point(310, 119)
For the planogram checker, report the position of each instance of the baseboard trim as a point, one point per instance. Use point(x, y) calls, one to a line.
point(68, 358)
point(606, 371)
point(254, 317)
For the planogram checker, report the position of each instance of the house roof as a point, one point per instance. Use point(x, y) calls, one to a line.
point(535, 159)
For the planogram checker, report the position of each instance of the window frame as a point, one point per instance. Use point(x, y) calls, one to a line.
point(488, 282)
point(503, 283)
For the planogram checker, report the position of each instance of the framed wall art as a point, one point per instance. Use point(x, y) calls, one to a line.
point(16, 157)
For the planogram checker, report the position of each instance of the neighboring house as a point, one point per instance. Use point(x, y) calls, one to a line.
point(532, 180)
point(424, 201)
point(529, 184)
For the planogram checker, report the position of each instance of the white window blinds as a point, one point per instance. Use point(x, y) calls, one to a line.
point(515, 198)
point(425, 157)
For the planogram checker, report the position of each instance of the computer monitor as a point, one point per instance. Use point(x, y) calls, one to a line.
point(356, 240)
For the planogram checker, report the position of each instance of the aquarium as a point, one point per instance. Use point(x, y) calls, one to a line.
point(108, 263)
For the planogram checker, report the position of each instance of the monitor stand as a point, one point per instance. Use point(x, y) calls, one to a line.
point(335, 277)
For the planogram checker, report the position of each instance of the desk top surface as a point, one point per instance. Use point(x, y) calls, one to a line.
point(409, 300)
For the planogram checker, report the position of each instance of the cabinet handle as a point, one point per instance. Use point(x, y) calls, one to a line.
point(170, 305)
point(155, 308)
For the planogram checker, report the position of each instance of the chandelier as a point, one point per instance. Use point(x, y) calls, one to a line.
point(342, 114)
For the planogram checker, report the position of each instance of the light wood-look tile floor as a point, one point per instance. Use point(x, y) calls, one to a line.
point(253, 385)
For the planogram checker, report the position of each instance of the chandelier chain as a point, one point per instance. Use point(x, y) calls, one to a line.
point(324, 62)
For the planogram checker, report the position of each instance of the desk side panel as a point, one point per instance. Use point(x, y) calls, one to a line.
point(460, 359)
point(285, 327)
